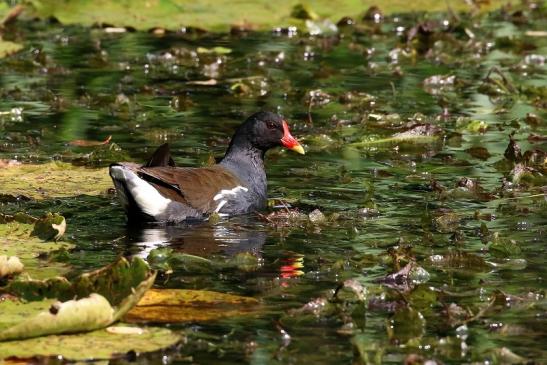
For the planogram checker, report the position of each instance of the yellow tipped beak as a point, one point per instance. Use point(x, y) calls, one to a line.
point(298, 149)
point(289, 142)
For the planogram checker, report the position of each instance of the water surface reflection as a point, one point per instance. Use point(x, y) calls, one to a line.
point(202, 239)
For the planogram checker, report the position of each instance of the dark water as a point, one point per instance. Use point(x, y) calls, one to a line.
point(79, 83)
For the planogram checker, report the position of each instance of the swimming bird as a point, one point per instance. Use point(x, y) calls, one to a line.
point(159, 191)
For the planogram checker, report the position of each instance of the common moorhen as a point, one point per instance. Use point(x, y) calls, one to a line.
point(158, 191)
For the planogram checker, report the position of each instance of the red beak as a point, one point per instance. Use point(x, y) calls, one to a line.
point(289, 141)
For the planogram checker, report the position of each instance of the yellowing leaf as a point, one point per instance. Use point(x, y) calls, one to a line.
point(178, 305)
point(7, 48)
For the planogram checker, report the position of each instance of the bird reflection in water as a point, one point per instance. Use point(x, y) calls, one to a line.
point(230, 238)
point(200, 239)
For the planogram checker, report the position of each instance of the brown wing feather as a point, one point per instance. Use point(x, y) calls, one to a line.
point(192, 186)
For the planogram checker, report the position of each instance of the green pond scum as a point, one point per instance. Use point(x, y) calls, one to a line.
point(413, 231)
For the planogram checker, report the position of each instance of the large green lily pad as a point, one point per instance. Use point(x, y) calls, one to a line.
point(53, 180)
point(100, 344)
point(82, 315)
point(16, 239)
point(216, 15)
point(178, 305)
point(122, 282)
point(115, 282)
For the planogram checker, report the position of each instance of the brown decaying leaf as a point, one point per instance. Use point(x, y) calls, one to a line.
point(87, 143)
point(513, 151)
point(479, 152)
point(536, 138)
point(424, 130)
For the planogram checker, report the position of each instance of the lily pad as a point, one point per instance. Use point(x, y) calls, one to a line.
point(92, 312)
point(53, 180)
point(178, 305)
point(52, 226)
point(214, 15)
point(459, 260)
point(16, 240)
point(417, 134)
point(100, 344)
point(72, 316)
point(115, 282)
point(405, 325)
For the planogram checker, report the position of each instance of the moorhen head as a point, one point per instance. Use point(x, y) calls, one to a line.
point(158, 191)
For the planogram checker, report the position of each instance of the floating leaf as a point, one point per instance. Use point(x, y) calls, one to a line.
point(407, 277)
point(7, 48)
point(459, 260)
point(53, 180)
point(167, 259)
point(418, 133)
point(90, 312)
point(97, 345)
point(506, 356)
point(502, 247)
point(526, 173)
point(323, 27)
point(317, 217)
point(513, 151)
point(72, 316)
point(10, 265)
point(115, 282)
point(473, 126)
point(86, 143)
point(369, 352)
point(178, 305)
point(351, 290)
point(220, 14)
point(447, 223)
point(479, 152)
point(103, 155)
point(217, 50)
point(423, 297)
point(51, 226)
point(406, 325)
point(16, 240)
point(437, 83)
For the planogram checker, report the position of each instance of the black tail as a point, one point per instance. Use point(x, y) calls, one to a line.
point(161, 157)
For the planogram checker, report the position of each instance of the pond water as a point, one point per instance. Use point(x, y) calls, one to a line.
point(458, 87)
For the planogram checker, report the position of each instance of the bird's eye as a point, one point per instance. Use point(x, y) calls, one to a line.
point(271, 125)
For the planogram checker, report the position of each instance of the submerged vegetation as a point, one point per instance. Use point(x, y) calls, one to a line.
point(412, 231)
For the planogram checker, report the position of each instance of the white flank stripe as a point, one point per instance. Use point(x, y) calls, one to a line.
point(220, 205)
point(224, 195)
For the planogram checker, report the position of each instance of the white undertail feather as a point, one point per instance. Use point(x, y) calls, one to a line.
point(149, 200)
